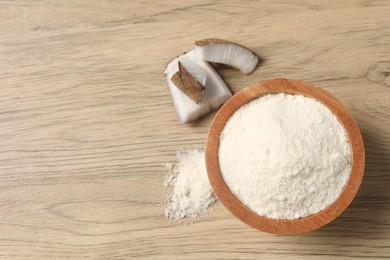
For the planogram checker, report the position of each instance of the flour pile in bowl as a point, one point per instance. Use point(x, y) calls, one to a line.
point(284, 156)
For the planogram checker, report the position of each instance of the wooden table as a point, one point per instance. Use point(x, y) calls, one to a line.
point(87, 123)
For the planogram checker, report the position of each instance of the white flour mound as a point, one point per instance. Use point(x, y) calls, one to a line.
point(284, 156)
point(192, 193)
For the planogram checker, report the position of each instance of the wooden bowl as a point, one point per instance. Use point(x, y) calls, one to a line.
point(276, 226)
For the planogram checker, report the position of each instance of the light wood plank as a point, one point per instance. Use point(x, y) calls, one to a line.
point(87, 123)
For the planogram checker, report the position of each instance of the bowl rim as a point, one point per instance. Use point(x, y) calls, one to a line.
point(282, 226)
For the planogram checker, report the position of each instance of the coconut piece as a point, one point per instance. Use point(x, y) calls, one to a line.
point(215, 94)
point(228, 53)
point(194, 69)
point(216, 91)
point(188, 84)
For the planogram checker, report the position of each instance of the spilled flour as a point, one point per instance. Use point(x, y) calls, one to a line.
point(192, 192)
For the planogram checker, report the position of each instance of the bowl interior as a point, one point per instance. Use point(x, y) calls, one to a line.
point(295, 226)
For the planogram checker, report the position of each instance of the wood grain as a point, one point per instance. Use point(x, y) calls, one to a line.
point(295, 226)
point(87, 123)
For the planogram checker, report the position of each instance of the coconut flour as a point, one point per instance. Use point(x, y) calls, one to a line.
point(283, 156)
point(192, 192)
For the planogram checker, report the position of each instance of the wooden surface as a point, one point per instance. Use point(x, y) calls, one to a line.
point(87, 123)
point(294, 226)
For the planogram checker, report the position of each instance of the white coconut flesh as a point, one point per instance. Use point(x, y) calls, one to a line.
point(215, 94)
point(194, 69)
point(227, 53)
